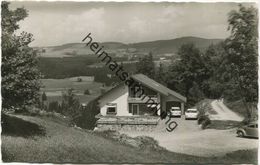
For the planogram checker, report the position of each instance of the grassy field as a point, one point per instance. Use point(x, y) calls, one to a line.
point(63, 144)
point(54, 88)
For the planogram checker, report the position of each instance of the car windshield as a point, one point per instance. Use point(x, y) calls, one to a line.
point(192, 111)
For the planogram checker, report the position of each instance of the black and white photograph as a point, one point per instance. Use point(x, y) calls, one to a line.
point(109, 82)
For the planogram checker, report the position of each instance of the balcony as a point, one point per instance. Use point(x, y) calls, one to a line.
point(143, 99)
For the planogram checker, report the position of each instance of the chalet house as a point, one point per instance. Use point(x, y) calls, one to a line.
point(123, 108)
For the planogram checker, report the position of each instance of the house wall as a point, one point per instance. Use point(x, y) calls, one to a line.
point(119, 95)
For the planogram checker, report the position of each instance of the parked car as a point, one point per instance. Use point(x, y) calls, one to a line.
point(175, 112)
point(250, 130)
point(191, 114)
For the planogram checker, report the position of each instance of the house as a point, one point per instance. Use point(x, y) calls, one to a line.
point(126, 107)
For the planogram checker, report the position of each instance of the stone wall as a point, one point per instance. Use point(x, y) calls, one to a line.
point(126, 127)
point(128, 123)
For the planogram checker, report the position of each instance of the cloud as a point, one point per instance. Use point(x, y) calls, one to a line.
point(123, 22)
point(56, 28)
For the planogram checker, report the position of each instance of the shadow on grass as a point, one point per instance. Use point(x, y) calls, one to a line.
point(224, 124)
point(17, 127)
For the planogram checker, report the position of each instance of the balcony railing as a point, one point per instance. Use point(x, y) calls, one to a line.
point(142, 99)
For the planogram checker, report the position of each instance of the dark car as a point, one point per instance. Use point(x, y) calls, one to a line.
point(250, 130)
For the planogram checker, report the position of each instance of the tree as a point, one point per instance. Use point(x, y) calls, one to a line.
point(20, 76)
point(213, 87)
point(53, 106)
point(71, 106)
point(146, 66)
point(160, 74)
point(44, 97)
point(241, 47)
point(189, 70)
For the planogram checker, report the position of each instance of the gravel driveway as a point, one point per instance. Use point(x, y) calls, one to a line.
point(188, 138)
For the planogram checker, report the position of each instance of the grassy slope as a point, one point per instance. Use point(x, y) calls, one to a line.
point(65, 144)
point(239, 107)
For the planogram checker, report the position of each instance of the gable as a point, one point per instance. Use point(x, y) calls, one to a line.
point(113, 94)
point(150, 83)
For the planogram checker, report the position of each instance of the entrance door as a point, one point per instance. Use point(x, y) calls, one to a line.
point(135, 108)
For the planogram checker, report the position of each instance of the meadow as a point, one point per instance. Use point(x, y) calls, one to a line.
point(55, 87)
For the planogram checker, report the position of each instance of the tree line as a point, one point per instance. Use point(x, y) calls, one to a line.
point(225, 70)
point(228, 69)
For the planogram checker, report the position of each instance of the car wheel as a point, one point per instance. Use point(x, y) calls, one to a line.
point(240, 134)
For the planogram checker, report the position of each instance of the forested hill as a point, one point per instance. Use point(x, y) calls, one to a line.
point(169, 46)
point(157, 47)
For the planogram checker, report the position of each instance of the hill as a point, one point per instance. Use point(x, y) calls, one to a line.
point(172, 46)
point(62, 144)
point(157, 47)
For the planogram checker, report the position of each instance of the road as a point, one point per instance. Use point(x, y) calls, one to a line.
point(189, 138)
point(223, 112)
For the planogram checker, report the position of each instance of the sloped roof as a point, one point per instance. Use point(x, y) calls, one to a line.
point(150, 83)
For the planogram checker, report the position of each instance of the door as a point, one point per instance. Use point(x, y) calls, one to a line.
point(135, 108)
point(251, 130)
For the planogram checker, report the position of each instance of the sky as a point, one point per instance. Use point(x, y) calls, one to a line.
point(56, 23)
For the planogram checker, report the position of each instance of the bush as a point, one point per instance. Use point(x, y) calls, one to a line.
point(204, 120)
point(205, 123)
point(86, 92)
point(87, 120)
point(79, 79)
point(201, 119)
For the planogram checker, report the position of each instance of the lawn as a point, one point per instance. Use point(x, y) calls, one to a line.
point(63, 144)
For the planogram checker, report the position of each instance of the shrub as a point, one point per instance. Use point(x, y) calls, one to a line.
point(205, 123)
point(87, 119)
point(204, 120)
point(201, 119)
point(79, 79)
point(86, 92)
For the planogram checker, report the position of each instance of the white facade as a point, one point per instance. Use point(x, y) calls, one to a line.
point(121, 101)
point(118, 96)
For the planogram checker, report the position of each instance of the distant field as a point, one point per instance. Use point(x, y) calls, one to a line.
point(54, 88)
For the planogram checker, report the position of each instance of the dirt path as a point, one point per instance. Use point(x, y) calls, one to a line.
point(223, 112)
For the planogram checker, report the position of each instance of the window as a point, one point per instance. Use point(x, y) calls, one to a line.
point(111, 109)
point(134, 109)
point(136, 91)
point(252, 126)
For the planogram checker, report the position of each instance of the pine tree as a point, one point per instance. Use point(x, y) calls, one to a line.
point(146, 66)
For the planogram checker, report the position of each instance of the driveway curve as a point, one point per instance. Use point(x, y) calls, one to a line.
point(189, 138)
